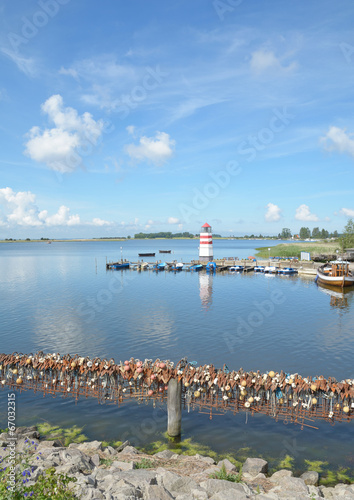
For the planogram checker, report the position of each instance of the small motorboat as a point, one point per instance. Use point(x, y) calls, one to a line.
point(270, 270)
point(160, 267)
point(236, 269)
point(164, 251)
point(287, 270)
point(259, 269)
point(120, 265)
point(146, 254)
point(196, 267)
point(211, 267)
point(335, 273)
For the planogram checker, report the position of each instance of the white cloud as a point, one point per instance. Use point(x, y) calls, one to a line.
point(131, 129)
point(273, 213)
point(100, 222)
point(58, 147)
point(25, 64)
point(264, 60)
point(303, 213)
point(338, 139)
point(156, 149)
point(21, 209)
point(173, 220)
point(348, 212)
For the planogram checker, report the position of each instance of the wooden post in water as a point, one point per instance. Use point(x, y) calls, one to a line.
point(174, 408)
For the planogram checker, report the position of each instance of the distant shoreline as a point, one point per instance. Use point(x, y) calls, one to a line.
point(130, 239)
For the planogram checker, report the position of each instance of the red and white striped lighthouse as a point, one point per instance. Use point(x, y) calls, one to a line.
point(206, 243)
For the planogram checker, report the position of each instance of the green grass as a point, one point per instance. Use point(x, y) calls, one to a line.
point(223, 474)
point(294, 249)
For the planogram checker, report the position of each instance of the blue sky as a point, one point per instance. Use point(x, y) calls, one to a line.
point(120, 117)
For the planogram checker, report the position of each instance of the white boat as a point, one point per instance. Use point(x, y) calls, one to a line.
point(259, 269)
point(236, 269)
point(335, 273)
point(270, 270)
point(287, 270)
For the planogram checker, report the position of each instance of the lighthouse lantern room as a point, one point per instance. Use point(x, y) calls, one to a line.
point(206, 243)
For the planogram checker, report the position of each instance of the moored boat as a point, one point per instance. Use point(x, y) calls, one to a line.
point(287, 270)
point(196, 267)
point(236, 269)
point(270, 270)
point(259, 269)
point(164, 251)
point(146, 254)
point(120, 265)
point(335, 273)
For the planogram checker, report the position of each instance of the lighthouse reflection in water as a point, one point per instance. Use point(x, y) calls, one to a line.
point(206, 289)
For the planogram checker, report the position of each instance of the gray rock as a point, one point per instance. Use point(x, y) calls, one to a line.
point(327, 492)
point(279, 474)
point(122, 446)
point(184, 496)
point(254, 466)
point(29, 432)
point(207, 460)
point(76, 458)
point(109, 450)
point(122, 465)
point(165, 454)
point(175, 483)
point(90, 446)
point(213, 486)
point(310, 477)
point(119, 489)
point(290, 485)
point(230, 495)
point(199, 494)
point(95, 459)
point(229, 466)
point(131, 449)
point(156, 492)
point(314, 492)
point(137, 477)
point(100, 474)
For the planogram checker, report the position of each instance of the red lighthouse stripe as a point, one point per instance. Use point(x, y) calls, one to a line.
point(206, 242)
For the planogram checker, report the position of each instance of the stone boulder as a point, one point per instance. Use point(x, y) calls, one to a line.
point(310, 477)
point(254, 466)
point(229, 466)
point(166, 454)
point(213, 486)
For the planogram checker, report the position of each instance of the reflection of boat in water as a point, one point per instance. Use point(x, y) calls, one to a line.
point(339, 298)
point(335, 273)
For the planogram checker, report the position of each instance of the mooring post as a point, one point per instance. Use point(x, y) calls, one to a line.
point(174, 408)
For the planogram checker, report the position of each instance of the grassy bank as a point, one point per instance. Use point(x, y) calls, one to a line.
point(294, 249)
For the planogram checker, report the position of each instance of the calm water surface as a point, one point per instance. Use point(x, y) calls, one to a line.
point(60, 298)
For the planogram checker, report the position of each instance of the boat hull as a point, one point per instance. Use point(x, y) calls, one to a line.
point(335, 280)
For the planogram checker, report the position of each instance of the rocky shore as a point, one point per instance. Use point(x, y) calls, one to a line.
point(124, 473)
